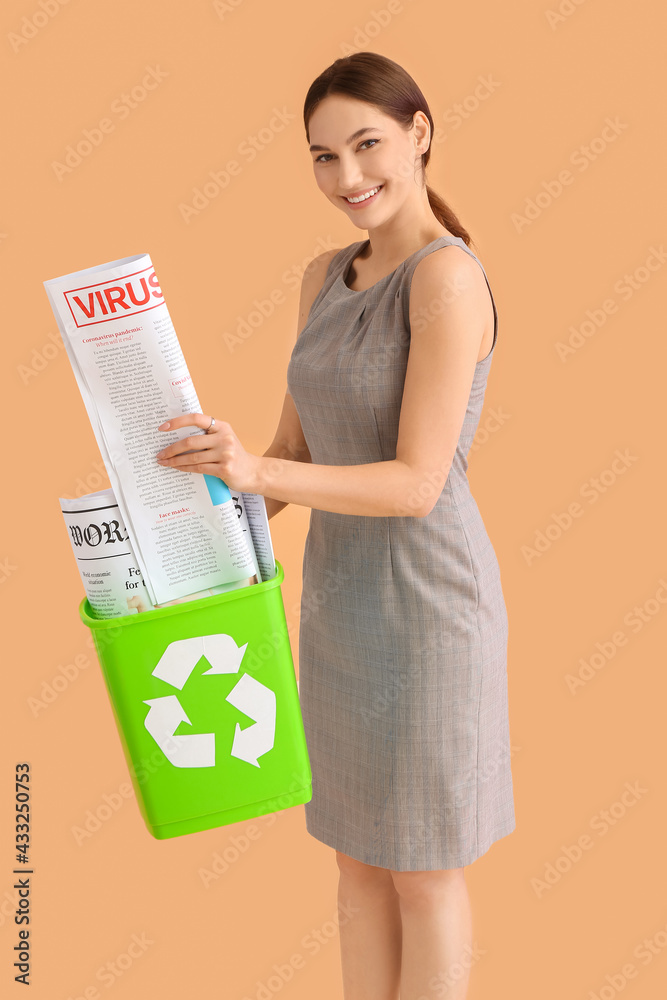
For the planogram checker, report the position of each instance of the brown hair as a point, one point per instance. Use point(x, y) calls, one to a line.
point(378, 80)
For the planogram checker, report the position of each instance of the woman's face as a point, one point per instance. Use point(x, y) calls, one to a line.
point(385, 156)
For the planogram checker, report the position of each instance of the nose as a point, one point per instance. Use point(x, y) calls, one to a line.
point(350, 174)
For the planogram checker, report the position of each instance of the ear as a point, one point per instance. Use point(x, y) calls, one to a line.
point(422, 131)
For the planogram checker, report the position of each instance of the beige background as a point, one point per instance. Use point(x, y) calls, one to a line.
point(548, 438)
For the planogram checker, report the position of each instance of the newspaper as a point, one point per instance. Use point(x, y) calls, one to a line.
point(186, 529)
point(106, 561)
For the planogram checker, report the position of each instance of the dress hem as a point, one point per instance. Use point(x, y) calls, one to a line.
point(460, 861)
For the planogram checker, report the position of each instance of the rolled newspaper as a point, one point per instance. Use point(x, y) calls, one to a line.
point(106, 561)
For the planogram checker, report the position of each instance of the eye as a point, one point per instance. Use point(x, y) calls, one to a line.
point(318, 159)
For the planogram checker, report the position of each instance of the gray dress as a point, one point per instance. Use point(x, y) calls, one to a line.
point(403, 631)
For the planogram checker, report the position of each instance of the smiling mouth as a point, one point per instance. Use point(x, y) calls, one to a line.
point(364, 196)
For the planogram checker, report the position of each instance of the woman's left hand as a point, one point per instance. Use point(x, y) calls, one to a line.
point(218, 453)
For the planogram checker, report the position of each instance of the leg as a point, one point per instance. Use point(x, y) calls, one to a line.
point(437, 934)
point(370, 938)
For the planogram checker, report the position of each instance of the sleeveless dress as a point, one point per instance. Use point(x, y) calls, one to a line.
point(403, 629)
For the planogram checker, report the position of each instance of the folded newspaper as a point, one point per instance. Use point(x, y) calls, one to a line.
point(186, 529)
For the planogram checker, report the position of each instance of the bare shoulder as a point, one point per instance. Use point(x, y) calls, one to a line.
point(313, 278)
point(451, 265)
point(450, 279)
point(449, 284)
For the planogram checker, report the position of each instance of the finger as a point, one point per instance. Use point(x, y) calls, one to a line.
point(186, 444)
point(207, 467)
point(188, 459)
point(185, 420)
point(187, 456)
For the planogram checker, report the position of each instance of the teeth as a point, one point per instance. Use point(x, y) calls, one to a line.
point(363, 197)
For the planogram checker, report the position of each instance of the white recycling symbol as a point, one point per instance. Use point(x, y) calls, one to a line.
point(248, 695)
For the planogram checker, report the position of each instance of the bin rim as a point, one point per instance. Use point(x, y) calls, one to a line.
point(121, 621)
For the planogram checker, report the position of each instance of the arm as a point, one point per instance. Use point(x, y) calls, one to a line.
point(439, 374)
point(289, 443)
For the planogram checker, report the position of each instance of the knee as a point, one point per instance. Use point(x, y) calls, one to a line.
point(425, 887)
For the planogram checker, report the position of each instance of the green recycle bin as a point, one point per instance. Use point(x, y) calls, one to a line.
point(206, 704)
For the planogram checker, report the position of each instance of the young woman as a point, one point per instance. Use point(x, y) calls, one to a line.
point(403, 633)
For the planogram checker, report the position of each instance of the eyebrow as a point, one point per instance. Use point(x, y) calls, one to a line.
point(355, 135)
